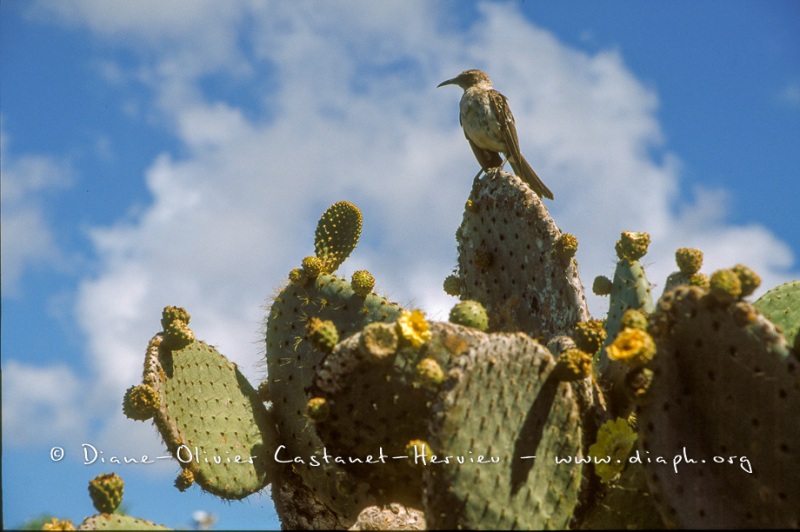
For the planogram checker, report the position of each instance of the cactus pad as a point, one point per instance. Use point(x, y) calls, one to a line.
point(781, 306)
point(509, 261)
point(503, 402)
point(337, 234)
point(118, 522)
point(210, 418)
point(724, 393)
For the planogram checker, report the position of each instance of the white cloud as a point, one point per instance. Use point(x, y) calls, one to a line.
point(351, 112)
point(27, 239)
point(41, 405)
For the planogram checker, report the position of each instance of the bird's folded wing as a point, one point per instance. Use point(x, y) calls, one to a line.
point(505, 119)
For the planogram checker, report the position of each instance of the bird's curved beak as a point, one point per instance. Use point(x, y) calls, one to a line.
point(448, 82)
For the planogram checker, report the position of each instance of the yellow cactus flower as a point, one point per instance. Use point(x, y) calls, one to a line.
point(633, 346)
point(413, 327)
point(615, 439)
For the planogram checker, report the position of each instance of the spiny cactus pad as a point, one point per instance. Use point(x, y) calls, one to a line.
point(211, 418)
point(503, 402)
point(337, 234)
point(378, 404)
point(631, 289)
point(724, 391)
point(525, 286)
point(118, 522)
point(290, 360)
point(781, 306)
point(498, 396)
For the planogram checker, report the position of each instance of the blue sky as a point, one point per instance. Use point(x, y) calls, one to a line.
point(180, 153)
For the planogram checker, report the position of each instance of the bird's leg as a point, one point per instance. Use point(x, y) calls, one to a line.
point(505, 160)
point(478, 174)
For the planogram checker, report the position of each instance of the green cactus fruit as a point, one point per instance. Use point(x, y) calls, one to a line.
point(689, 260)
point(589, 335)
point(362, 282)
point(171, 314)
point(566, 247)
point(452, 285)
point(632, 245)
point(525, 286)
point(634, 319)
point(106, 492)
point(379, 341)
point(307, 495)
point(298, 276)
point(722, 410)
point(313, 266)
point(322, 334)
point(118, 522)
point(211, 418)
point(701, 280)
point(725, 286)
point(430, 373)
point(781, 305)
point(337, 234)
point(470, 314)
point(749, 279)
point(141, 402)
point(602, 286)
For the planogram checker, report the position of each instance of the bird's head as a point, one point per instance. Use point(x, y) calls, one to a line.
point(469, 78)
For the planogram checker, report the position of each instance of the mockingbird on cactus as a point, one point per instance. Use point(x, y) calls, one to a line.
point(489, 127)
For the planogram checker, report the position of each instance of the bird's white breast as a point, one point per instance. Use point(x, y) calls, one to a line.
point(479, 121)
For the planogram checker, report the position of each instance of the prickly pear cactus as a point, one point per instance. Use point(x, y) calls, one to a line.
point(491, 403)
point(721, 414)
point(515, 261)
point(630, 288)
point(337, 234)
point(320, 495)
point(208, 415)
point(105, 491)
point(118, 522)
point(503, 403)
point(781, 306)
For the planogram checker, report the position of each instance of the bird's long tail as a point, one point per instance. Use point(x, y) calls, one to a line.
point(526, 173)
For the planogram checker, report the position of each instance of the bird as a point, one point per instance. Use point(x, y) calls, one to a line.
point(489, 127)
